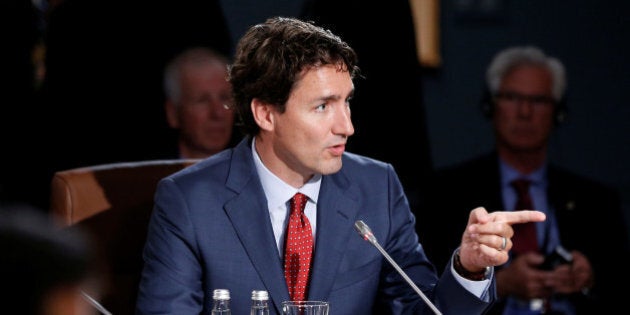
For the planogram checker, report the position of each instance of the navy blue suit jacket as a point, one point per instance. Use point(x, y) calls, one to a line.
point(582, 208)
point(210, 229)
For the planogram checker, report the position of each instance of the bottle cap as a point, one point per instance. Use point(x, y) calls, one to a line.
point(221, 294)
point(260, 295)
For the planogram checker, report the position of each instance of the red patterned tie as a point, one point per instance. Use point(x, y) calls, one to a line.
point(524, 238)
point(298, 249)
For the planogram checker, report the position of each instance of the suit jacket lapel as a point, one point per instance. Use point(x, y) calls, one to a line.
point(250, 218)
point(336, 213)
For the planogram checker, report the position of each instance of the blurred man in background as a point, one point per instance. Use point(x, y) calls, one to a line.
point(567, 270)
point(197, 99)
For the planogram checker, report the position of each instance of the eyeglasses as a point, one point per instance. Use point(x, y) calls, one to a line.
point(517, 98)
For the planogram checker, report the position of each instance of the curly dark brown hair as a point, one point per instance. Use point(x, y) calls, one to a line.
point(270, 58)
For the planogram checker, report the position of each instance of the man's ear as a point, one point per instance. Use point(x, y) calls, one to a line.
point(172, 116)
point(263, 114)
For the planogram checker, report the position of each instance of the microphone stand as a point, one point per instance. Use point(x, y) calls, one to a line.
point(95, 303)
point(366, 233)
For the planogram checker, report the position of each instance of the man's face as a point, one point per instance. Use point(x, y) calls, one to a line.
point(310, 136)
point(205, 124)
point(524, 109)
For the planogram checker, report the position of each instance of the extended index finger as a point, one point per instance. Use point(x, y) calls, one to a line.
point(521, 216)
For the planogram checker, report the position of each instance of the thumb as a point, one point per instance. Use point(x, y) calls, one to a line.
point(478, 215)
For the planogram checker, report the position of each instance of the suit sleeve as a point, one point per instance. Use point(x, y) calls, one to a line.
point(170, 282)
point(402, 244)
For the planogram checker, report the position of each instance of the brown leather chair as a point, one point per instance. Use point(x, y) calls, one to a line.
point(113, 202)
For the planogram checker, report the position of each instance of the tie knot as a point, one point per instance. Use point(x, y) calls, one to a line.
point(521, 186)
point(298, 202)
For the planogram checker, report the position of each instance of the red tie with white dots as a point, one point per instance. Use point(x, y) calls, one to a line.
point(298, 249)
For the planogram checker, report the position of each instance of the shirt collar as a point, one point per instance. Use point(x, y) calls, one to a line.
point(276, 190)
point(508, 174)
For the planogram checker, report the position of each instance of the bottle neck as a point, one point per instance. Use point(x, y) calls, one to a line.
point(221, 307)
point(259, 307)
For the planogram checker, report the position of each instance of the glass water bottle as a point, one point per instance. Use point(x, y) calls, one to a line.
point(260, 303)
point(221, 303)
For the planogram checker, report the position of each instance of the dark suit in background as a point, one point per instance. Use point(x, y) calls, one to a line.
point(525, 102)
point(588, 215)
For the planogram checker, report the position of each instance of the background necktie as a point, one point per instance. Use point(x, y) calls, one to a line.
point(524, 239)
point(298, 249)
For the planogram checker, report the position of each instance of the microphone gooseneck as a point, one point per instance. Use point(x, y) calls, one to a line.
point(365, 232)
point(95, 303)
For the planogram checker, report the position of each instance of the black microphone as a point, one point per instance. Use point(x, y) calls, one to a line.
point(366, 233)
